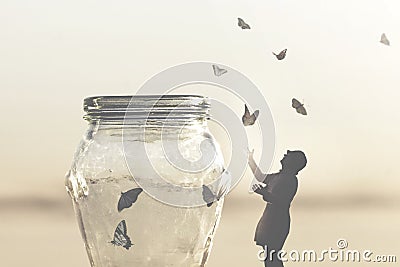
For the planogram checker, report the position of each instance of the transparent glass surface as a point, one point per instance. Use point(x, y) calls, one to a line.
point(160, 234)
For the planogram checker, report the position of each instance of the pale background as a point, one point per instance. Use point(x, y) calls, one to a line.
point(53, 54)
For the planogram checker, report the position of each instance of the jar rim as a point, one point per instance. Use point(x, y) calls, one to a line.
point(146, 107)
point(102, 101)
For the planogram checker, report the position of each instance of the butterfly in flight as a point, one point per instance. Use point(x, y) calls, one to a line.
point(248, 119)
point(121, 237)
point(243, 24)
point(128, 198)
point(281, 55)
point(218, 71)
point(225, 184)
point(384, 40)
point(299, 106)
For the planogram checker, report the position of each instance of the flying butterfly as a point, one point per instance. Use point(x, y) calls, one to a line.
point(281, 55)
point(225, 184)
point(248, 119)
point(128, 198)
point(243, 24)
point(121, 237)
point(299, 106)
point(218, 71)
point(384, 40)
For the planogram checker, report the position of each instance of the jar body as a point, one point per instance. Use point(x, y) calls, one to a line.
point(161, 234)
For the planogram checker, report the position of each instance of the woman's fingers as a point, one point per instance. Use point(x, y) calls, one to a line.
point(256, 187)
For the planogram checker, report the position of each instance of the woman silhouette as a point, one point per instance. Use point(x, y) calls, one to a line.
point(278, 192)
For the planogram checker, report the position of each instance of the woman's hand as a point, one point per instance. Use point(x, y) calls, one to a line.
point(254, 168)
point(257, 188)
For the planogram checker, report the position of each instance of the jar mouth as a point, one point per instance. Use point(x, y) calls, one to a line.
point(147, 109)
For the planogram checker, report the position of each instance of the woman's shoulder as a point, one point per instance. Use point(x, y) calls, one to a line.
point(290, 178)
point(270, 177)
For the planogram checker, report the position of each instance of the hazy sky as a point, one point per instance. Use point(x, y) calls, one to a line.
point(53, 54)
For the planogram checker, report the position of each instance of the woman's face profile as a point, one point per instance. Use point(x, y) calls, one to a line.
point(293, 160)
point(286, 158)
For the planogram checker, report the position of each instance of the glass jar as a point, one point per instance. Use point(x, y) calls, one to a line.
point(136, 209)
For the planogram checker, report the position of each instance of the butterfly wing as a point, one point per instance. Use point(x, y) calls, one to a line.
point(121, 237)
point(248, 119)
point(299, 106)
point(384, 39)
point(133, 194)
point(243, 24)
point(219, 71)
point(246, 116)
point(208, 196)
point(254, 117)
point(128, 198)
point(302, 110)
point(240, 22)
point(246, 111)
point(256, 113)
point(215, 69)
point(296, 103)
point(123, 203)
point(282, 54)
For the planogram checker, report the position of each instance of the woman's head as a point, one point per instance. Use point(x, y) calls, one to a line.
point(294, 161)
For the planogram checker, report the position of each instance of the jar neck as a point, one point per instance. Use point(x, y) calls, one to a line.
point(150, 111)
